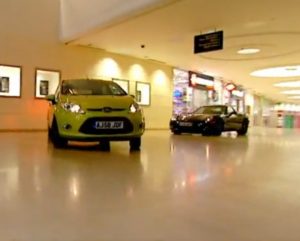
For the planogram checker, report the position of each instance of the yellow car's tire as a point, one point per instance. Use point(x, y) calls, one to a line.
point(135, 144)
point(54, 136)
point(104, 145)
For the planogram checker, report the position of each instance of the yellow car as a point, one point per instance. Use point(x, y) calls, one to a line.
point(94, 110)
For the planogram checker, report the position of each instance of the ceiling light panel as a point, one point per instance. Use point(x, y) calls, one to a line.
point(291, 92)
point(248, 51)
point(288, 84)
point(282, 71)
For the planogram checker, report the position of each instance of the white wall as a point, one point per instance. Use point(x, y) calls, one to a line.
point(29, 37)
point(249, 103)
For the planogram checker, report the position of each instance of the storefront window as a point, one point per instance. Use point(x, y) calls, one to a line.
point(235, 96)
point(192, 90)
point(182, 94)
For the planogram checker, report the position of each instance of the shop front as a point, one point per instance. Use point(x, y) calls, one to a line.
point(182, 93)
point(192, 90)
point(286, 115)
point(235, 96)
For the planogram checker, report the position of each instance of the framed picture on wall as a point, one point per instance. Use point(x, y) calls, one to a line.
point(46, 82)
point(123, 83)
point(143, 93)
point(4, 84)
point(10, 81)
point(44, 87)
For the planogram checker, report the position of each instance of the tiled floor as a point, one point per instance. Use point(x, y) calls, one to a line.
point(178, 188)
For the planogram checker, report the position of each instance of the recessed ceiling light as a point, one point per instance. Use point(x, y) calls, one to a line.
point(291, 92)
point(282, 71)
point(291, 69)
point(248, 51)
point(288, 84)
point(296, 97)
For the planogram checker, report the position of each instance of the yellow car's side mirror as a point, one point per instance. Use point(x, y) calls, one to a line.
point(51, 98)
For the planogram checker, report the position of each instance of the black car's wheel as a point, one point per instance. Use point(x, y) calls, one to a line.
point(218, 129)
point(217, 132)
point(176, 132)
point(54, 136)
point(207, 131)
point(213, 130)
point(135, 144)
point(244, 128)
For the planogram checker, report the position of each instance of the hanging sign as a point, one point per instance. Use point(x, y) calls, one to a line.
point(208, 42)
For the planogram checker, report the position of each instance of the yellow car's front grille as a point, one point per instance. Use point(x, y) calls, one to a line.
point(90, 126)
point(105, 109)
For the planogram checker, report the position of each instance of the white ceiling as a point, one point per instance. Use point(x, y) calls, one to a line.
point(168, 34)
point(80, 18)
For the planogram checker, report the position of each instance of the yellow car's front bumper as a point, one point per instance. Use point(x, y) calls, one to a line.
point(82, 127)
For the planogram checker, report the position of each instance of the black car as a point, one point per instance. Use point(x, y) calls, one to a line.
point(210, 120)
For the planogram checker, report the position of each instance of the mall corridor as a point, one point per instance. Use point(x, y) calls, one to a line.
point(176, 188)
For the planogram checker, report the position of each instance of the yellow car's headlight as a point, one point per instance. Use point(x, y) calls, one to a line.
point(71, 107)
point(134, 107)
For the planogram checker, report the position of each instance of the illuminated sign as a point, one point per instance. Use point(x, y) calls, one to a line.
point(238, 93)
point(201, 80)
point(230, 87)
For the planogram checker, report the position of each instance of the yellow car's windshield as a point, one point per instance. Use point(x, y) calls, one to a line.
point(91, 87)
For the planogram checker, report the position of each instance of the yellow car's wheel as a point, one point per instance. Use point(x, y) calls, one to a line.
point(135, 144)
point(104, 145)
point(54, 136)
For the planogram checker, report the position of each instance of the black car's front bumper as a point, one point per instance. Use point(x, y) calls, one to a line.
point(188, 127)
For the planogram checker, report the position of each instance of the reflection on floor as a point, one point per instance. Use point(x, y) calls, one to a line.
point(184, 187)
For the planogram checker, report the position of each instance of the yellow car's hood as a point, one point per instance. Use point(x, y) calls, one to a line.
point(96, 101)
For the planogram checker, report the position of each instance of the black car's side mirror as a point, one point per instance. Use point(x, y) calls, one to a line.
point(51, 98)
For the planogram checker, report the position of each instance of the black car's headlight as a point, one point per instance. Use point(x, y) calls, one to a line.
point(208, 119)
point(174, 118)
point(72, 107)
point(211, 120)
point(134, 108)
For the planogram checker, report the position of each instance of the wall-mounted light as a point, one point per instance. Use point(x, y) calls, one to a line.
point(109, 68)
point(160, 78)
point(137, 72)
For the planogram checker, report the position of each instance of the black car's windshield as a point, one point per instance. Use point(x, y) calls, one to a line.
point(91, 87)
point(211, 110)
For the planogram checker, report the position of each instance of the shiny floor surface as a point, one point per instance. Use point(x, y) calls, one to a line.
point(177, 188)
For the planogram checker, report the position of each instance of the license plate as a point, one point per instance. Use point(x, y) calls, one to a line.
point(109, 124)
point(185, 123)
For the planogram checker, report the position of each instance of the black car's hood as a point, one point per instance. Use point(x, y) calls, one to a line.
point(194, 117)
